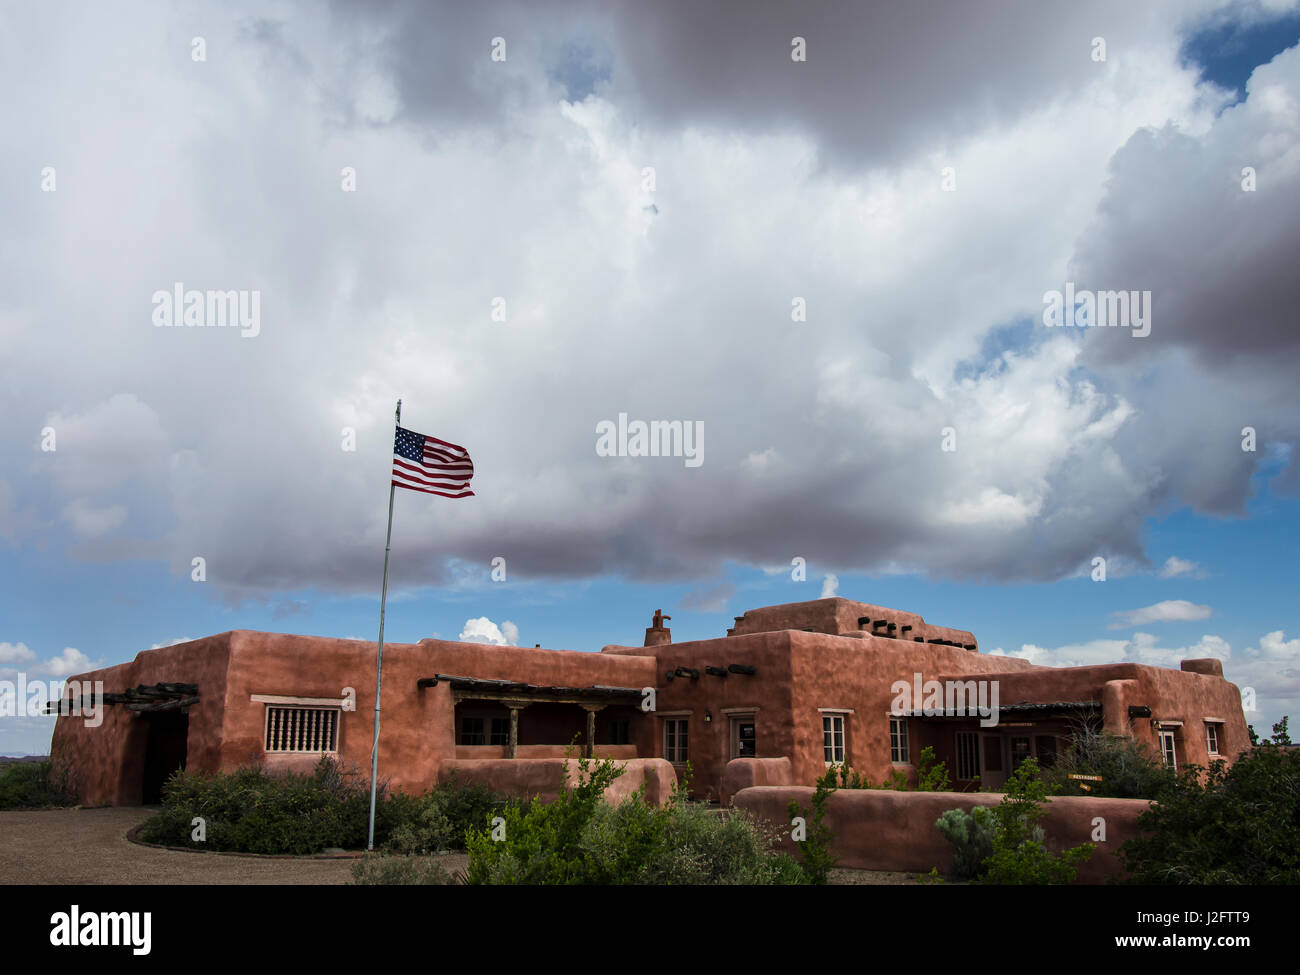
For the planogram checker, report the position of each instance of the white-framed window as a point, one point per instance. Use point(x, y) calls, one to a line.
point(898, 750)
point(292, 728)
point(968, 755)
point(833, 738)
point(676, 739)
point(1168, 748)
point(1212, 736)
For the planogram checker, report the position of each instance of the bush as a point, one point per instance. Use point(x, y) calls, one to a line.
point(35, 785)
point(1128, 768)
point(1239, 826)
point(931, 776)
point(1017, 850)
point(376, 870)
point(580, 838)
point(250, 811)
point(971, 835)
point(815, 855)
point(438, 821)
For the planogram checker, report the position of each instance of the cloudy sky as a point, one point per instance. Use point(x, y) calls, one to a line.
point(824, 232)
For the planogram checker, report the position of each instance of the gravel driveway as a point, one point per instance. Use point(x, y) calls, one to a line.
point(89, 846)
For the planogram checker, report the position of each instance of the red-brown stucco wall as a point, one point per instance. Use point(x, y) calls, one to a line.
point(107, 762)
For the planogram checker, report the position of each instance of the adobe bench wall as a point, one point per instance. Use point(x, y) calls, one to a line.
point(524, 778)
point(879, 829)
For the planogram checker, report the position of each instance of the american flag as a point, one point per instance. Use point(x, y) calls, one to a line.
point(431, 465)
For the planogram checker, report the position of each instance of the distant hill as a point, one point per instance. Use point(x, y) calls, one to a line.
point(18, 759)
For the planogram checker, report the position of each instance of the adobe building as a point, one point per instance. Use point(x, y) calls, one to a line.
point(789, 690)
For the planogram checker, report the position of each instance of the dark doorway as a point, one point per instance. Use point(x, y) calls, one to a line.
point(164, 753)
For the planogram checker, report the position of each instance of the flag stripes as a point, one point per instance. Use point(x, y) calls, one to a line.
point(423, 463)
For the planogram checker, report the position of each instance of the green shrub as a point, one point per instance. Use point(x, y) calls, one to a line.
point(931, 776)
point(383, 869)
point(815, 855)
point(1129, 769)
point(541, 842)
point(971, 835)
point(1020, 854)
point(580, 838)
point(35, 785)
point(250, 811)
point(1016, 851)
point(438, 821)
point(1233, 826)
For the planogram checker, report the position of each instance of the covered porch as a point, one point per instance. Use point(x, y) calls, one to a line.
point(973, 752)
point(519, 720)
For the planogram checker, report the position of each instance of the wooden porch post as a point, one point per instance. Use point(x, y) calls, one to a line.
point(514, 728)
point(591, 710)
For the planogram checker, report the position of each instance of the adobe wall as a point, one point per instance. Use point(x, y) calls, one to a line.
point(417, 725)
point(1173, 695)
point(879, 829)
point(837, 616)
point(107, 761)
point(767, 693)
point(545, 777)
point(832, 672)
point(745, 773)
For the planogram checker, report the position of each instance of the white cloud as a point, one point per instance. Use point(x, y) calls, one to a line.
point(171, 643)
point(1166, 611)
point(70, 661)
point(830, 585)
point(682, 313)
point(90, 521)
point(15, 653)
point(483, 630)
point(1175, 567)
point(1271, 668)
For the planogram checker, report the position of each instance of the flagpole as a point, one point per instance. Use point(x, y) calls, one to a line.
point(379, 664)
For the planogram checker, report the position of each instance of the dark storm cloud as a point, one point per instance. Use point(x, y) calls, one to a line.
point(881, 82)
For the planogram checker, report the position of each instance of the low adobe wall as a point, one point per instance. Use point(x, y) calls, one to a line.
point(544, 777)
point(879, 829)
point(480, 752)
point(746, 773)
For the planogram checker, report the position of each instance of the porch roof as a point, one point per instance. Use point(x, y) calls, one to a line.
point(482, 688)
point(1044, 709)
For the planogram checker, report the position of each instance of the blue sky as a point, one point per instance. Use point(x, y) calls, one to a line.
point(667, 298)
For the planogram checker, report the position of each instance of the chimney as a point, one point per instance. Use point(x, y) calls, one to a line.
point(658, 635)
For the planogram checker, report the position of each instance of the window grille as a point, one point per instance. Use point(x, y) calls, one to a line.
point(298, 729)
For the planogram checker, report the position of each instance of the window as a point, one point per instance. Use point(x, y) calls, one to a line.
point(1019, 750)
point(1212, 737)
point(898, 752)
point(968, 755)
point(618, 732)
point(833, 738)
point(484, 731)
point(675, 739)
point(1168, 750)
point(295, 729)
point(1045, 749)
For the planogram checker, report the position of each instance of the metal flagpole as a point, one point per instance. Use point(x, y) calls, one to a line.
point(379, 665)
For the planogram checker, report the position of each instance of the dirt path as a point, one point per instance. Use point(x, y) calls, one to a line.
point(89, 846)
